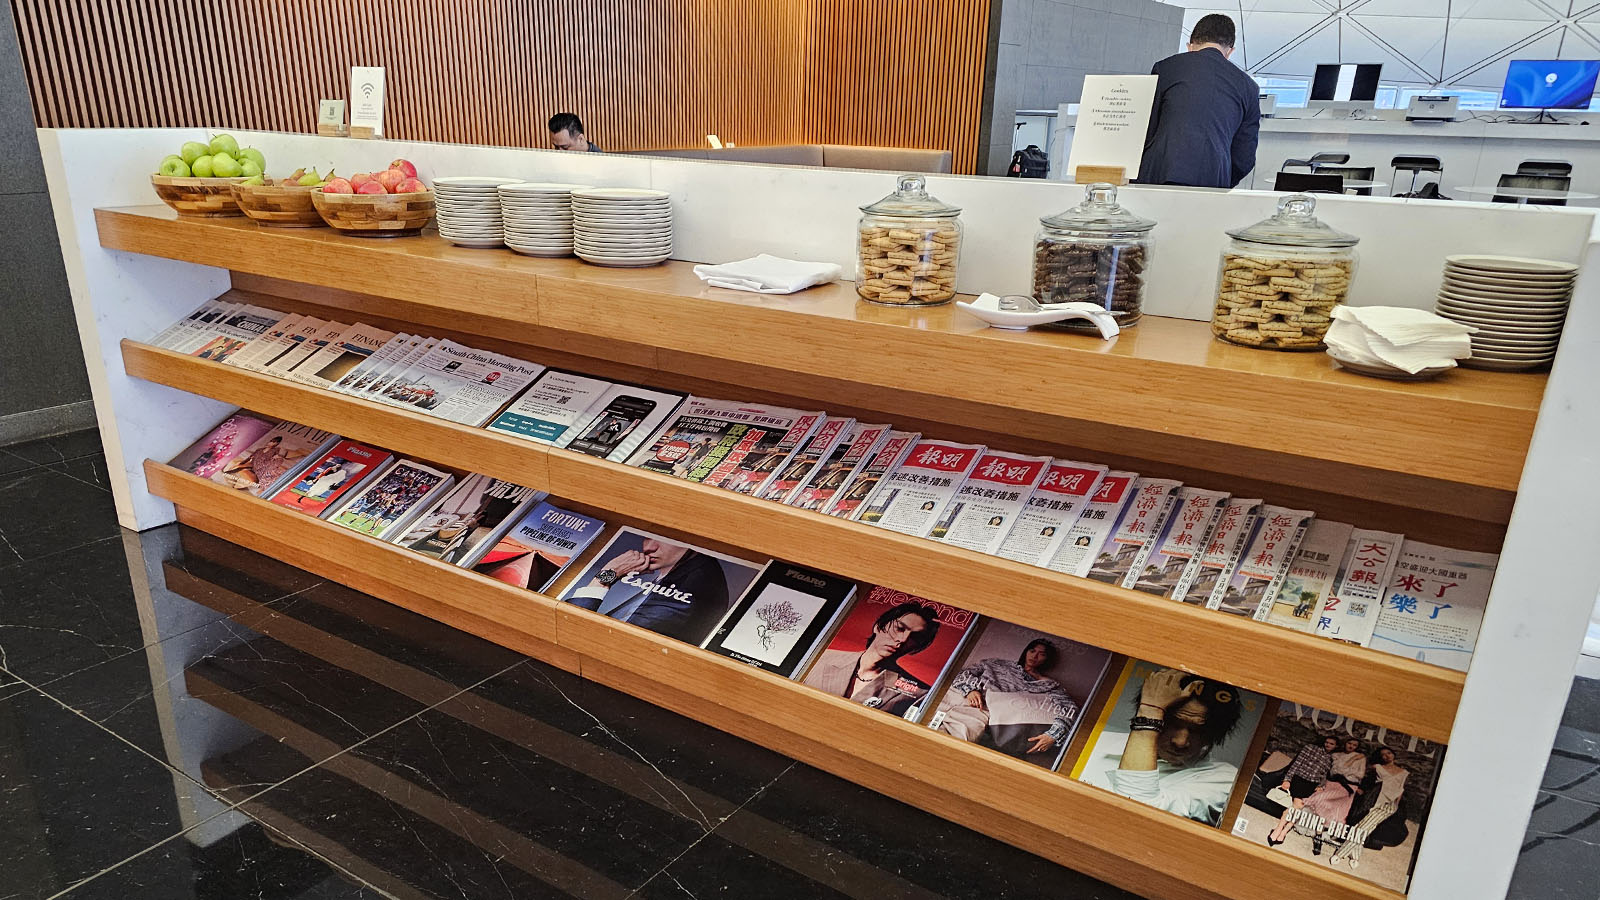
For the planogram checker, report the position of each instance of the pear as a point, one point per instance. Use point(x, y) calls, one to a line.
point(252, 154)
point(201, 167)
point(174, 167)
point(225, 166)
point(249, 167)
point(224, 143)
point(254, 179)
point(192, 151)
point(310, 179)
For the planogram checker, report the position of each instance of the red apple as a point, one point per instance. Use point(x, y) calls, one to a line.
point(339, 186)
point(405, 166)
point(410, 186)
point(371, 186)
point(390, 178)
point(358, 179)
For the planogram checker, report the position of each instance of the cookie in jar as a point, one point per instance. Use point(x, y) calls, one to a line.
point(1095, 252)
point(908, 245)
point(1280, 280)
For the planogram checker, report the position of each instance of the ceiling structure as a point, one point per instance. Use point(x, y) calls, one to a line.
point(1460, 44)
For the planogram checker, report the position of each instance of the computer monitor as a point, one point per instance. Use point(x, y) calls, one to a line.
point(1346, 81)
point(1549, 83)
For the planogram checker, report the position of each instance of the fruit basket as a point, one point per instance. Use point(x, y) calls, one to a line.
point(375, 215)
point(193, 196)
point(282, 205)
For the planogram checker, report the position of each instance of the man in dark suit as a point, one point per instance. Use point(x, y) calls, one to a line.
point(665, 587)
point(1207, 114)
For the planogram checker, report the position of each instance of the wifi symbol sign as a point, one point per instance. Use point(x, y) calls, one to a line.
point(367, 89)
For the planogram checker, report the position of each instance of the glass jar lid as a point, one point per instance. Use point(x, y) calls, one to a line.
point(1295, 224)
point(911, 198)
point(1099, 213)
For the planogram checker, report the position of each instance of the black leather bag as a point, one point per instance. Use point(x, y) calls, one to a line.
point(1029, 162)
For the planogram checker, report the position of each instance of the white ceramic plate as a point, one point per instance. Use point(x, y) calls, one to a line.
point(1478, 275)
point(475, 180)
point(621, 194)
point(476, 243)
point(1477, 292)
point(1511, 264)
point(543, 187)
point(1499, 365)
point(545, 254)
point(622, 211)
point(1509, 312)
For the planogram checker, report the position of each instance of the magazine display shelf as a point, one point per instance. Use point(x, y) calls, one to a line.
point(1047, 813)
point(1407, 695)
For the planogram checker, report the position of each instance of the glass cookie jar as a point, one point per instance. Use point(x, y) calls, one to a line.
point(1281, 278)
point(907, 248)
point(1095, 252)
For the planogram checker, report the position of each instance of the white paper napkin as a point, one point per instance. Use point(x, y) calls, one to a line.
point(766, 274)
point(1400, 325)
point(1407, 339)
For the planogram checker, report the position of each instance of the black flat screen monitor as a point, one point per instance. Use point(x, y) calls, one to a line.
point(1549, 83)
point(1336, 82)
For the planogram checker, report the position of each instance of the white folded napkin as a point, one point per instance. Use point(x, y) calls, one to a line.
point(1406, 339)
point(1400, 325)
point(766, 274)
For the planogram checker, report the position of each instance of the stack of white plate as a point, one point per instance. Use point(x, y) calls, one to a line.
point(468, 209)
point(538, 217)
point(622, 226)
point(1518, 306)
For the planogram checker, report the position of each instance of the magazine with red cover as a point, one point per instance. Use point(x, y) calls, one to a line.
point(222, 444)
point(338, 472)
point(805, 461)
point(890, 651)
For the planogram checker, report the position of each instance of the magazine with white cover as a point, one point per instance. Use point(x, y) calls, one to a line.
point(1082, 543)
point(864, 481)
point(623, 418)
point(467, 520)
point(203, 327)
point(284, 365)
point(275, 341)
point(779, 623)
point(387, 503)
point(554, 404)
point(1434, 605)
point(1262, 562)
point(1351, 609)
point(1042, 525)
point(1141, 523)
point(805, 461)
point(911, 499)
point(1194, 515)
point(366, 370)
point(848, 456)
point(354, 346)
point(724, 442)
point(372, 388)
point(169, 335)
point(1206, 569)
point(461, 384)
point(1310, 577)
point(304, 329)
point(248, 328)
point(990, 502)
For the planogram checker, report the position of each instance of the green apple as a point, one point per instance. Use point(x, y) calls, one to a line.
point(225, 166)
point(192, 151)
point(252, 153)
point(201, 167)
point(174, 167)
point(249, 167)
point(224, 143)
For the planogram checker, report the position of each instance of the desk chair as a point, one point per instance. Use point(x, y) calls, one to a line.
point(1301, 182)
point(1416, 165)
point(1355, 173)
point(1542, 182)
point(1317, 161)
point(1557, 167)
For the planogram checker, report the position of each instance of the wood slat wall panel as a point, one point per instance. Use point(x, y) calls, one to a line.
point(643, 74)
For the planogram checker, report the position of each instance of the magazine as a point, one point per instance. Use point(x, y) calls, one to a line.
point(1434, 605)
point(804, 463)
point(1141, 523)
point(1351, 608)
point(1261, 563)
point(724, 443)
point(368, 368)
point(459, 384)
point(762, 452)
point(988, 504)
point(555, 403)
point(1310, 577)
point(1337, 791)
point(274, 458)
point(1020, 691)
point(859, 443)
point(911, 499)
point(624, 417)
point(335, 474)
point(1193, 518)
point(355, 345)
point(386, 504)
point(1082, 542)
point(1205, 570)
point(1043, 523)
point(672, 588)
point(538, 547)
point(472, 516)
point(219, 446)
point(849, 498)
point(1195, 778)
point(781, 619)
point(890, 651)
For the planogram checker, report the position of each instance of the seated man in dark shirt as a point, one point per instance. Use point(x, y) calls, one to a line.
point(1207, 114)
point(566, 133)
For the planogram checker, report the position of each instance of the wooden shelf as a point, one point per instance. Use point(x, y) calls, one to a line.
point(1164, 390)
point(1400, 693)
point(1047, 813)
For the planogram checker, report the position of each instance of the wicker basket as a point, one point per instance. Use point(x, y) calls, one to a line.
point(280, 205)
point(375, 215)
point(198, 196)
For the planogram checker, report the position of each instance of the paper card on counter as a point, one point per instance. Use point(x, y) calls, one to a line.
point(1113, 116)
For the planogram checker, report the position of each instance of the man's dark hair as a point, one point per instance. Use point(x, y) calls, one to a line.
point(1223, 708)
point(1049, 653)
point(571, 124)
point(1215, 28)
point(917, 642)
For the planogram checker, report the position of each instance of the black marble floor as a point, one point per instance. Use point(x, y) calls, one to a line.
point(183, 718)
